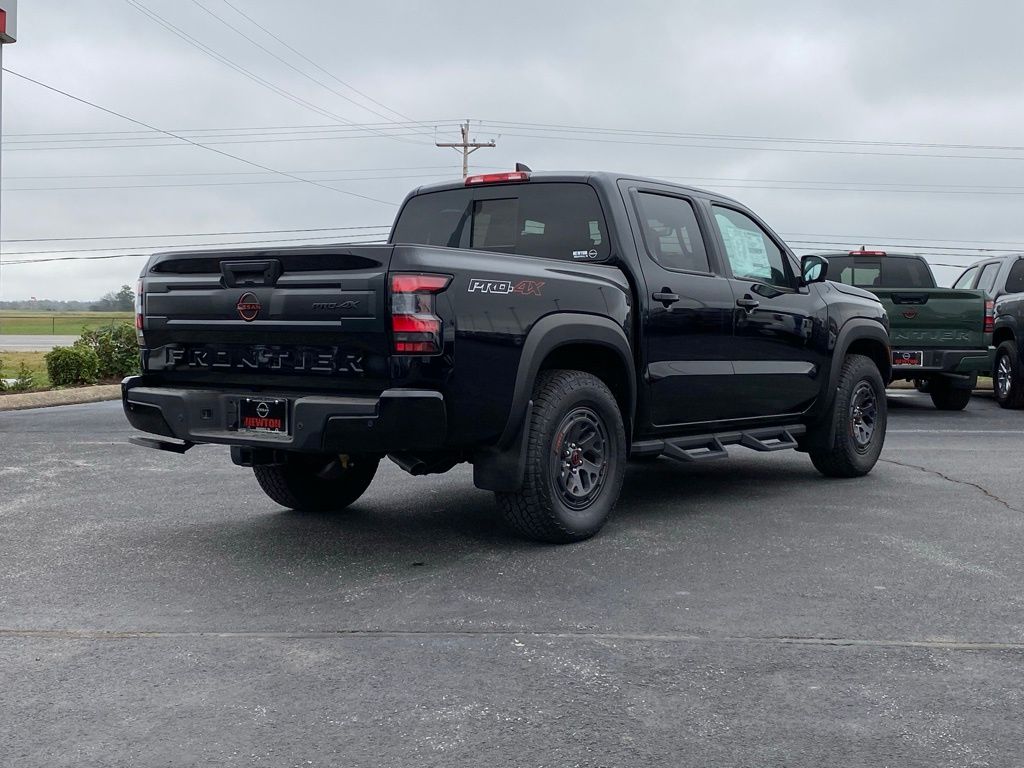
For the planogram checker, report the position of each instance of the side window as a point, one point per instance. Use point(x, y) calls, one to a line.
point(752, 254)
point(988, 277)
point(966, 278)
point(1015, 280)
point(671, 234)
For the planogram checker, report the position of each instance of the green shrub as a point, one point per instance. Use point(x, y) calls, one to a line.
point(24, 380)
point(3, 386)
point(72, 365)
point(116, 348)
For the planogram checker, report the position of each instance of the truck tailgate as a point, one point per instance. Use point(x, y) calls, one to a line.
point(310, 317)
point(934, 317)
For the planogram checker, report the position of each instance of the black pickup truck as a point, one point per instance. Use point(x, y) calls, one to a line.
point(1002, 280)
point(544, 327)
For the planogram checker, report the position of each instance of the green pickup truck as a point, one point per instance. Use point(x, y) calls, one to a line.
point(940, 337)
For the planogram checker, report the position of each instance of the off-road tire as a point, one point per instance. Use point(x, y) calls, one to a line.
point(1013, 395)
point(945, 397)
point(539, 510)
point(317, 483)
point(831, 443)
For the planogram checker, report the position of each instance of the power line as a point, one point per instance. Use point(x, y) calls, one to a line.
point(305, 58)
point(258, 128)
point(288, 64)
point(190, 245)
point(226, 173)
point(266, 168)
point(194, 42)
point(194, 234)
point(209, 143)
point(222, 183)
point(943, 250)
point(889, 238)
point(741, 137)
point(573, 129)
point(185, 246)
point(802, 150)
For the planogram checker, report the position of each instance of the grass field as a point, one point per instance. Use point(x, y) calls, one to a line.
point(9, 362)
point(28, 323)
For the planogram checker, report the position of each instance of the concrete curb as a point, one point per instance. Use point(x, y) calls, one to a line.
point(51, 397)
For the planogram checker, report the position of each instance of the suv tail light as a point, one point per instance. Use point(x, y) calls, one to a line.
point(990, 315)
point(415, 328)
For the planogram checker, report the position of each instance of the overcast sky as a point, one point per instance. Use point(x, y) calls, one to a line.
point(724, 88)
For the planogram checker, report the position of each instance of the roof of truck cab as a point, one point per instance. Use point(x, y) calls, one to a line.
point(871, 254)
point(601, 177)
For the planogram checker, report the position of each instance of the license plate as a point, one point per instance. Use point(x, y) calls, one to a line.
point(263, 415)
point(907, 358)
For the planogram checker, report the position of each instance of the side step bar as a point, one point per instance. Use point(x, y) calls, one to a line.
point(708, 447)
point(161, 445)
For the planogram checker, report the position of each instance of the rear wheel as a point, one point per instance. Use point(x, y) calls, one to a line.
point(946, 397)
point(1006, 381)
point(848, 441)
point(317, 483)
point(576, 457)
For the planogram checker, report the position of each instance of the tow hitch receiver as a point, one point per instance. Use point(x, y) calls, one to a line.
point(161, 445)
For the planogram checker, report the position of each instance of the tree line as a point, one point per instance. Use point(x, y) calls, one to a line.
point(121, 300)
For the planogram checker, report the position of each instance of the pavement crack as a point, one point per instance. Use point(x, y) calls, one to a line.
point(956, 481)
point(670, 637)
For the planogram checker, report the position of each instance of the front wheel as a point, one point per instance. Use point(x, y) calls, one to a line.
point(317, 483)
point(575, 460)
point(1006, 381)
point(848, 441)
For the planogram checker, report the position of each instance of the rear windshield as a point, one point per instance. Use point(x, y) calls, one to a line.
point(551, 220)
point(880, 272)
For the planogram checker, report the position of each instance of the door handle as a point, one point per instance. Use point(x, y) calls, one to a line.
point(665, 296)
point(748, 304)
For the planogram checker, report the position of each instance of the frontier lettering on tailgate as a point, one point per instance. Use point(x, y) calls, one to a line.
point(313, 360)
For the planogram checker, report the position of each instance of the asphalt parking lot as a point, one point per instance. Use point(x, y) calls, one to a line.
point(159, 610)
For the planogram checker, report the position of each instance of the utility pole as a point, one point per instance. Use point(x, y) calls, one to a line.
point(466, 146)
point(8, 34)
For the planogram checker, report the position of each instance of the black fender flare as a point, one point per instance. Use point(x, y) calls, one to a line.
point(501, 468)
point(1008, 322)
point(854, 329)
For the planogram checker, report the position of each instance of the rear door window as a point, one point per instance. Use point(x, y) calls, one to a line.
point(670, 232)
point(553, 220)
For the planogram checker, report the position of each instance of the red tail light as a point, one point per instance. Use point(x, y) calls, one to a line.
point(497, 178)
point(862, 252)
point(138, 306)
point(990, 316)
point(415, 328)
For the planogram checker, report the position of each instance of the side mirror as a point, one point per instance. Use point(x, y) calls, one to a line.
point(813, 269)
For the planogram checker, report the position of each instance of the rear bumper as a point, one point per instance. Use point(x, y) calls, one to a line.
point(964, 362)
point(396, 420)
